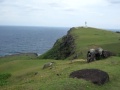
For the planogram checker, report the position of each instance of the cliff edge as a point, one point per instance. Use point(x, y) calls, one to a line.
point(62, 49)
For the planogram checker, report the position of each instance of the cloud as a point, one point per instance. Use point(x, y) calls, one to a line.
point(83, 3)
point(54, 12)
point(65, 5)
point(69, 10)
point(114, 1)
point(20, 6)
point(53, 4)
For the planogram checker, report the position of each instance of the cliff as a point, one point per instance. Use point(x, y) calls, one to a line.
point(62, 49)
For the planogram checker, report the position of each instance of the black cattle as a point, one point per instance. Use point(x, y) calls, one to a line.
point(97, 54)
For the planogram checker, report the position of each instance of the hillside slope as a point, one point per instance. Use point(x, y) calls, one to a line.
point(28, 74)
point(79, 40)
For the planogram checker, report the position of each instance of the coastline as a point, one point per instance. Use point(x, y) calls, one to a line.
point(21, 54)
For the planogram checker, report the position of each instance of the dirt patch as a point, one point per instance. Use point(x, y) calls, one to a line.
point(94, 75)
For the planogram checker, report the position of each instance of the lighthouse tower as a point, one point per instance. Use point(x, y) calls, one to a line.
point(85, 24)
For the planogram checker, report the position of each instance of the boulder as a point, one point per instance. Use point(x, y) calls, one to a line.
point(96, 76)
point(49, 64)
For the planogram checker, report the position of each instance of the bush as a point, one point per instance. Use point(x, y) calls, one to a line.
point(3, 78)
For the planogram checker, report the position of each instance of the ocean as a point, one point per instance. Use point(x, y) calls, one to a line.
point(25, 39)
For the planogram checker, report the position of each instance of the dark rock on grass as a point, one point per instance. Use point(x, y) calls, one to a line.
point(58, 74)
point(35, 73)
point(94, 75)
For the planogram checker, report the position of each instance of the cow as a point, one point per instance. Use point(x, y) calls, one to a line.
point(94, 54)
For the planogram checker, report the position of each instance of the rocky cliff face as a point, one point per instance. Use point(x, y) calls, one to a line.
point(62, 49)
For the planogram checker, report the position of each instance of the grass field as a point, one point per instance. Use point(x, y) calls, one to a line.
point(29, 75)
point(24, 72)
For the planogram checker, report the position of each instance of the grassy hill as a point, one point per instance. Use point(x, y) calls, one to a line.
point(24, 72)
point(79, 40)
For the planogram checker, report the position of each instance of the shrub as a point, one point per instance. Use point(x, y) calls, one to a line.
point(3, 78)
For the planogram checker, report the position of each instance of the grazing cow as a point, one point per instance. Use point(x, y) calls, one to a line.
point(91, 55)
point(107, 54)
point(94, 54)
point(97, 54)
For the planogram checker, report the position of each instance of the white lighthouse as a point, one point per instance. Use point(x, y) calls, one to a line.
point(85, 24)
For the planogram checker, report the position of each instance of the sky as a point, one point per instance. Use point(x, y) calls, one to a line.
point(61, 13)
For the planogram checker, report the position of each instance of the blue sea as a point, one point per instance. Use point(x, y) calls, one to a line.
point(24, 39)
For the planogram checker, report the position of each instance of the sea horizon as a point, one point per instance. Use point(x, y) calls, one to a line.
point(25, 39)
point(111, 29)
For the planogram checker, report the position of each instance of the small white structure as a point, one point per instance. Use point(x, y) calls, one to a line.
point(85, 24)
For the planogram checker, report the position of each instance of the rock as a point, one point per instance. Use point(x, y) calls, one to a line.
point(58, 74)
point(50, 64)
point(35, 73)
point(94, 75)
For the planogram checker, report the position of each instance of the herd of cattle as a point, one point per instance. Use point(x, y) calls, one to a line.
point(97, 54)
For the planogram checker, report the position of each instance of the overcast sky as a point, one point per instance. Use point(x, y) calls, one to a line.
point(65, 13)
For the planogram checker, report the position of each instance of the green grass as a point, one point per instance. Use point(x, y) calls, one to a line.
point(24, 77)
point(22, 56)
point(86, 38)
point(3, 78)
point(26, 71)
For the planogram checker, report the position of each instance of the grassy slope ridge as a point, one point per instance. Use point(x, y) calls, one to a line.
point(27, 73)
point(79, 40)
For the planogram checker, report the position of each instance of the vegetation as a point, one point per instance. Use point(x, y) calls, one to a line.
point(3, 78)
point(29, 75)
point(82, 40)
point(62, 49)
point(26, 73)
